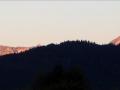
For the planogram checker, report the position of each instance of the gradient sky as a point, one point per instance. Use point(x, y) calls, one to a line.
point(28, 23)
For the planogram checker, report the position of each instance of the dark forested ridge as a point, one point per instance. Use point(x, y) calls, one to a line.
point(100, 64)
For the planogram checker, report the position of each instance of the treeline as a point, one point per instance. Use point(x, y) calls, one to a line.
point(99, 64)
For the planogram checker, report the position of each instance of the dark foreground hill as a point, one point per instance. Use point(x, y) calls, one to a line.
point(99, 63)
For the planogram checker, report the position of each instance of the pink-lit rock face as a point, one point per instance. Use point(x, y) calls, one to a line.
point(116, 41)
point(21, 49)
point(4, 50)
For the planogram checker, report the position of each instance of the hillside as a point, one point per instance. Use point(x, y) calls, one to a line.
point(99, 63)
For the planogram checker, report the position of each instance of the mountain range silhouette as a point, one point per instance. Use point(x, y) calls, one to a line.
point(99, 63)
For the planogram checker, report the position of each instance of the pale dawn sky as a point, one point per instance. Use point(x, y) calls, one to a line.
point(28, 23)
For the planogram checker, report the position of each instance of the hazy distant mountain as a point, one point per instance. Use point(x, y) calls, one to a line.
point(116, 41)
point(4, 50)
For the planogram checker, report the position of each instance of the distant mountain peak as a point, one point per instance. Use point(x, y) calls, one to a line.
point(4, 50)
point(116, 41)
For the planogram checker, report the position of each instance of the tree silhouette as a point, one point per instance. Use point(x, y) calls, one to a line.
point(60, 79)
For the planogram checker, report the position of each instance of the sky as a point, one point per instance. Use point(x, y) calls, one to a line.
point(30, 23)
